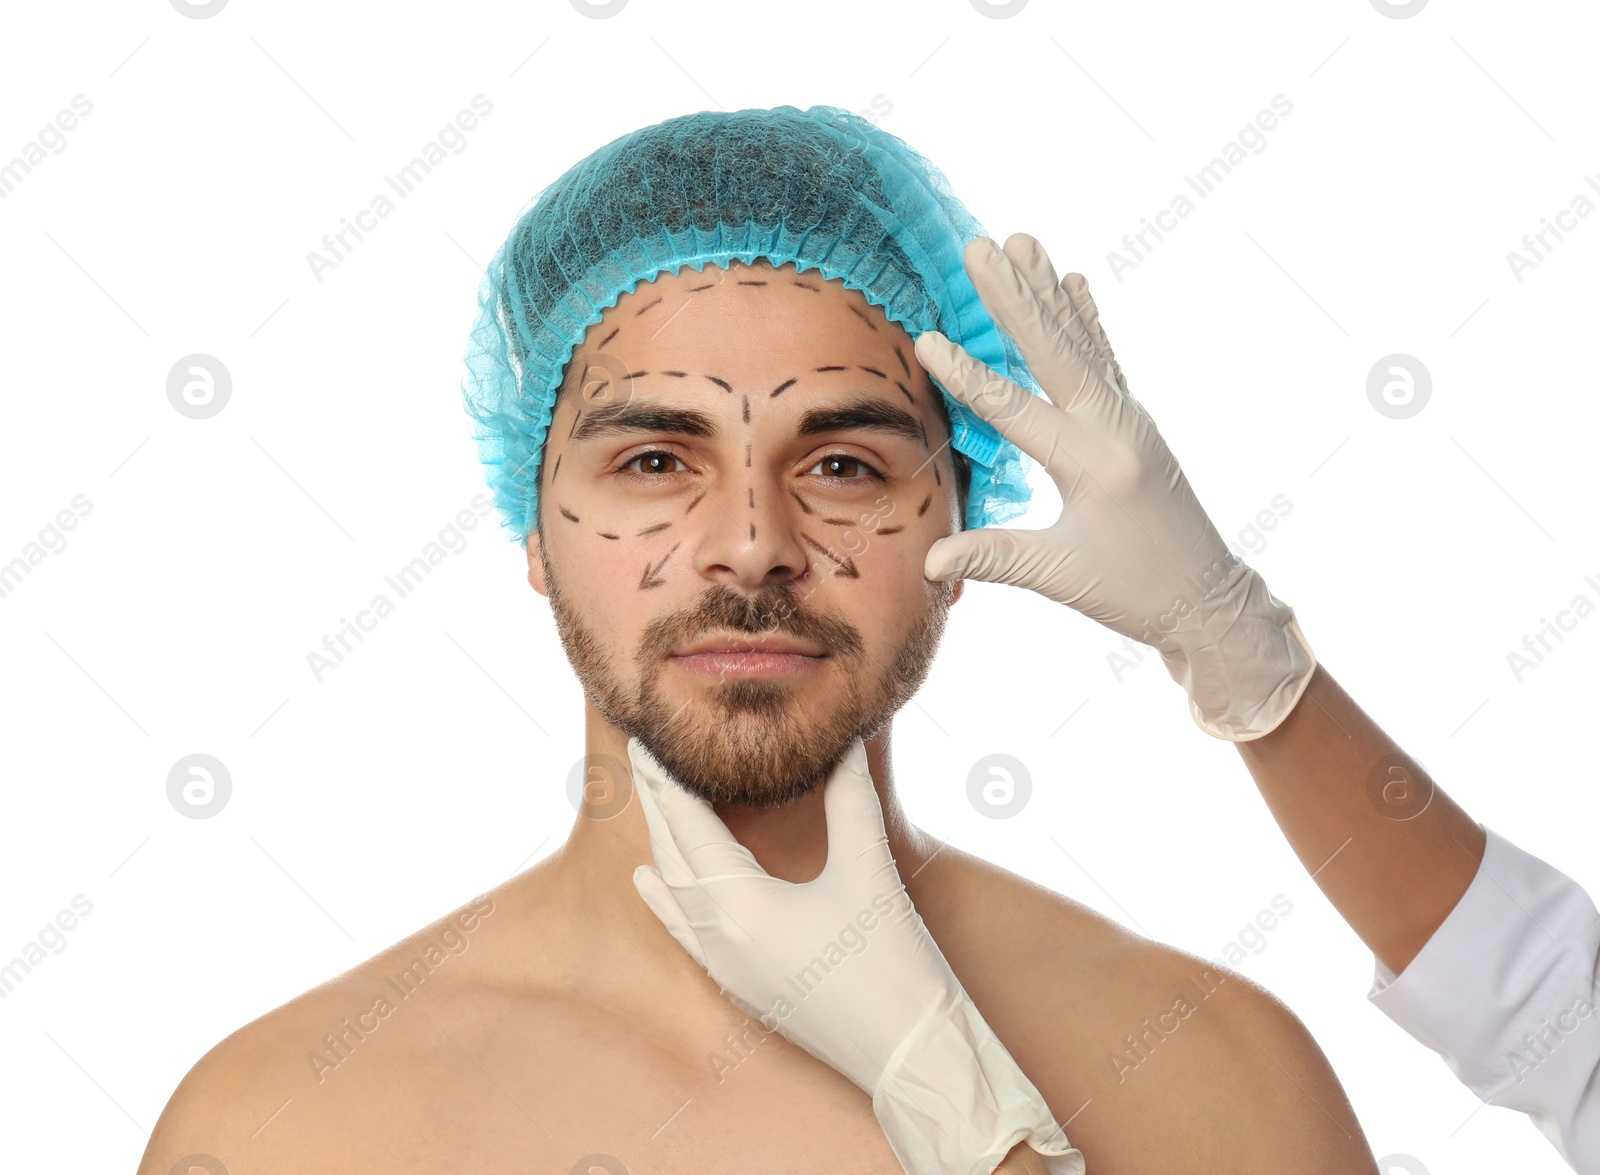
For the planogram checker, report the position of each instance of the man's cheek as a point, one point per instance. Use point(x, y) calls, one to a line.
point(862, 531)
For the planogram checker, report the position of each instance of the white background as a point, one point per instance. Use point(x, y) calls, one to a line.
point(432, 763)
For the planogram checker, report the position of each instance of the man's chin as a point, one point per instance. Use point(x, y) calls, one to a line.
point(750, 746)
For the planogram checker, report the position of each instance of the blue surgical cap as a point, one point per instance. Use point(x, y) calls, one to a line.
point(822, 188)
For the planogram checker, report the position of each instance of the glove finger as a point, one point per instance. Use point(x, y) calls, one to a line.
point(1066, 374)
point(704, 847)
point(1033, 263)
point(853, 811)
point(1028, 421)
point(990, 555)
point(1077, 288)
point(659, 896)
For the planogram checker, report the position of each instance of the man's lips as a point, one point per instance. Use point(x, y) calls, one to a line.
point(751, 643)
point(748, 656)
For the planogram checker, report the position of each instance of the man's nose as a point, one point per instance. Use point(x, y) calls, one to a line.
point(750, 534)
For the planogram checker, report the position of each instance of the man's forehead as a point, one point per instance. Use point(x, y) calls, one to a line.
point(700, 317)
point(805, 353)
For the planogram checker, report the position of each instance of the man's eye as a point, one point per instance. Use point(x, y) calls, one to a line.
point(655, 461)
point(844, 466)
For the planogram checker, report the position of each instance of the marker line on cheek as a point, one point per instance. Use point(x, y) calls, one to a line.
point(801, 500)
point(651, 577)
point(652, 529)
point(923, 509)
point(845, 567)
point(565, 513)
point(555, 470)
point(693, 504)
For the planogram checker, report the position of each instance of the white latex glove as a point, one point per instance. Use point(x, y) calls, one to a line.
point(843, 966)
point(1132, 549)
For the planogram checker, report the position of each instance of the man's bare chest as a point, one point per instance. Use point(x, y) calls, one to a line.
point(562, 1087)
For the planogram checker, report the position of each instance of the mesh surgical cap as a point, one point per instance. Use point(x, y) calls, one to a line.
point(822, 188)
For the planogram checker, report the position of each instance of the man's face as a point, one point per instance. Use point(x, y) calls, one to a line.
point(744, 471)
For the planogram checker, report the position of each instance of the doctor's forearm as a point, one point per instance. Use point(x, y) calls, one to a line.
point(1392, 858)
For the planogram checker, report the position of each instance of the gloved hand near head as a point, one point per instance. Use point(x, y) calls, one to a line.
point(1132, 548)
point(890, 1015)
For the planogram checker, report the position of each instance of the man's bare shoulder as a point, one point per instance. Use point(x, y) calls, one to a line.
point(1160, 1059)
point(262, 1095)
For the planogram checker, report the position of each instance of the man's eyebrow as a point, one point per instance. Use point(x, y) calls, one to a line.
point(632, 417)
point(863, 413)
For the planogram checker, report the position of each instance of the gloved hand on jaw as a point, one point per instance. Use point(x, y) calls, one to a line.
point(1132, 548)
point(890, 1015)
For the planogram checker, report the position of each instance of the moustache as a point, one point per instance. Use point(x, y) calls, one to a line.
point(775, 608)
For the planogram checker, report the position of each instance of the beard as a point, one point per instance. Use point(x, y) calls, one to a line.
point(751, 741)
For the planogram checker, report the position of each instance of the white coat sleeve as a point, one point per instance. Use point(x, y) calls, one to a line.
point(1505, 992)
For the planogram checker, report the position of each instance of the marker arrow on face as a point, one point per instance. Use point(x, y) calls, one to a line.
point(649, 579)
point(846, 567)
